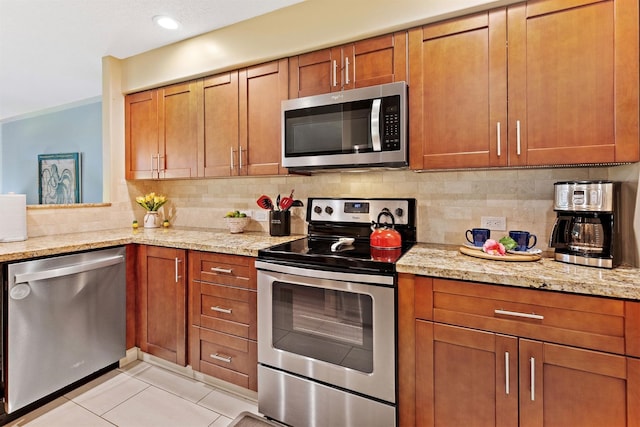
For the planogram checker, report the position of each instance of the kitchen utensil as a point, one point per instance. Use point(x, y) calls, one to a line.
point(383, 236)
point(278, 202)
point(286, 203)
point(297, 203)
point(265, 202)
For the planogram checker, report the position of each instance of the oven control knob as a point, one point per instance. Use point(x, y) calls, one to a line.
point(399, 212)
point(328, 210)
point(317, 210)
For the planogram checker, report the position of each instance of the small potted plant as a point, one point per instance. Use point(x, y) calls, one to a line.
point(151, 202)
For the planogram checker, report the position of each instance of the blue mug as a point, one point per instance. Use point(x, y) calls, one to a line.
point(522, 239)
point(478, 236)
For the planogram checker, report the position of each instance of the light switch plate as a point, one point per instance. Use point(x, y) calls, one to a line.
point(494, 222)
point(260, 215)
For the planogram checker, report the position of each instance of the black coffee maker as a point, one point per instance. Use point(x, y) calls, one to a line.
point(586, 230)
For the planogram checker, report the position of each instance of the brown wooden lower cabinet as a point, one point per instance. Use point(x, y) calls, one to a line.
point(222, 312)
point(161, 303)
point(470, 375)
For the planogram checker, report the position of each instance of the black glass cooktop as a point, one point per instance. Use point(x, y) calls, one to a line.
point(315, 251)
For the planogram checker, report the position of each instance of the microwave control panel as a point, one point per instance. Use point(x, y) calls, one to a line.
point(391, 123)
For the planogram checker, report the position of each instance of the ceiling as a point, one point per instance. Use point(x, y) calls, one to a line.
point(51, 50)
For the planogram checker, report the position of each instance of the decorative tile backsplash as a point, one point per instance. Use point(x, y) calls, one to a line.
point(448, 202)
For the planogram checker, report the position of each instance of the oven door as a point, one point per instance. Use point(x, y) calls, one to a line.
point(336, 328)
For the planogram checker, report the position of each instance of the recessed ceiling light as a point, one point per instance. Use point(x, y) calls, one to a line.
point(166, 22)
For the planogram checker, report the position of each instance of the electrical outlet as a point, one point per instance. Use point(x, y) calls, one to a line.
point(494, 222)
point(260, 215)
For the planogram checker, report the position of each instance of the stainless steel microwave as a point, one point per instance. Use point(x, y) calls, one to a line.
point(358, 128)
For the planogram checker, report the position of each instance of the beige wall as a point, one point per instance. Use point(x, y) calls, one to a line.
point(449, 202)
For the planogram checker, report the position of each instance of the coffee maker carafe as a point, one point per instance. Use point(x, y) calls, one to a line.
point(586, 229)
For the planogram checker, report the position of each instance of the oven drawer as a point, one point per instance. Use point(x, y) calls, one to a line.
point(581, 321)
point(232, 270)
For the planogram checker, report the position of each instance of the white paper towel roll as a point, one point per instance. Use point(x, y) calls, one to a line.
point(13, 217)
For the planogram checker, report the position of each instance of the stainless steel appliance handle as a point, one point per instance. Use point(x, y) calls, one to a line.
point(346, 70)
point(498, 138)
point(518, 314)
point(226, 359)
point(222, 310)
point(68, 270)
point(375, 124)
point(506, 372)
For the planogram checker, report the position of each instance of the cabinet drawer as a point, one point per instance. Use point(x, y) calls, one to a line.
point(232, 270)
point(226, 309)
point(228, 352)
point(581, 321)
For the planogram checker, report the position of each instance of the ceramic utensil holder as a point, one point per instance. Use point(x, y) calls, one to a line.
point(280, 223)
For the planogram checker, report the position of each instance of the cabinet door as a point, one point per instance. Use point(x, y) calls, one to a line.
point(573, 82)
point(314, 73)
point(178, 123)
point(262, 89)
point(220, 125)
point(375, 61)
point(458, 93)
point(162, 303)
point(465, 377)
point(566, 386)
point(141, 135)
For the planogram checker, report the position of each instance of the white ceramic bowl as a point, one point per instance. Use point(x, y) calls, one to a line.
point(237, 225)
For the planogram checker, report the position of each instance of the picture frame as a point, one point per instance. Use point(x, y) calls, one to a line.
point(59, 178)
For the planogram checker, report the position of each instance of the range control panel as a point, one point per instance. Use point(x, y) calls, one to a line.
point(358, 210)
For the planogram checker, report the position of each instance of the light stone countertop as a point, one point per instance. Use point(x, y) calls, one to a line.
point(423, 259)
point(447, 262)
point(210, 240)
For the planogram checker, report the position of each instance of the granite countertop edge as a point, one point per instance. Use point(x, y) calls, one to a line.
point(444, 261)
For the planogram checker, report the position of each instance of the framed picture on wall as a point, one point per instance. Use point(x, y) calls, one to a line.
point(59, 178)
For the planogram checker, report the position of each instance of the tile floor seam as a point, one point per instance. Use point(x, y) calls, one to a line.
point(121, 403)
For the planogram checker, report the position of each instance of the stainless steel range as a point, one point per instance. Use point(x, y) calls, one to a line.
point(327, 310)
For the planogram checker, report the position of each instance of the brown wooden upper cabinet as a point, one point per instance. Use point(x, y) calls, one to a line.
point(221, 128)
point(223, 125)
point(242, 121)
point(262, 89)
point(161, 132)
point(364, 63)
point(546, 82)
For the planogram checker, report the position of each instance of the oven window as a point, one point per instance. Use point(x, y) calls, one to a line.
point(324, 324)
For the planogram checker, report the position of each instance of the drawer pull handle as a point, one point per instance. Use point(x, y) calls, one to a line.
point(222, 270)
point(222, 310)
point(226, 359)
point(518, 314)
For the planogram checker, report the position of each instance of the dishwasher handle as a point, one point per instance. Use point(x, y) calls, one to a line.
point(69, 270)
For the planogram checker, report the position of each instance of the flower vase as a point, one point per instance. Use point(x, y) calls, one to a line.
point(151, 219)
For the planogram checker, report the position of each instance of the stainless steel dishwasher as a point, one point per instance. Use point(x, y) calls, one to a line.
point(65, 319)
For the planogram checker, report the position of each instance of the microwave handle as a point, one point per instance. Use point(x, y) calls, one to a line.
point(375, 124)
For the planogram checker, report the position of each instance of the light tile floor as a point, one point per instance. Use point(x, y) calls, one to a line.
point(140, 395)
